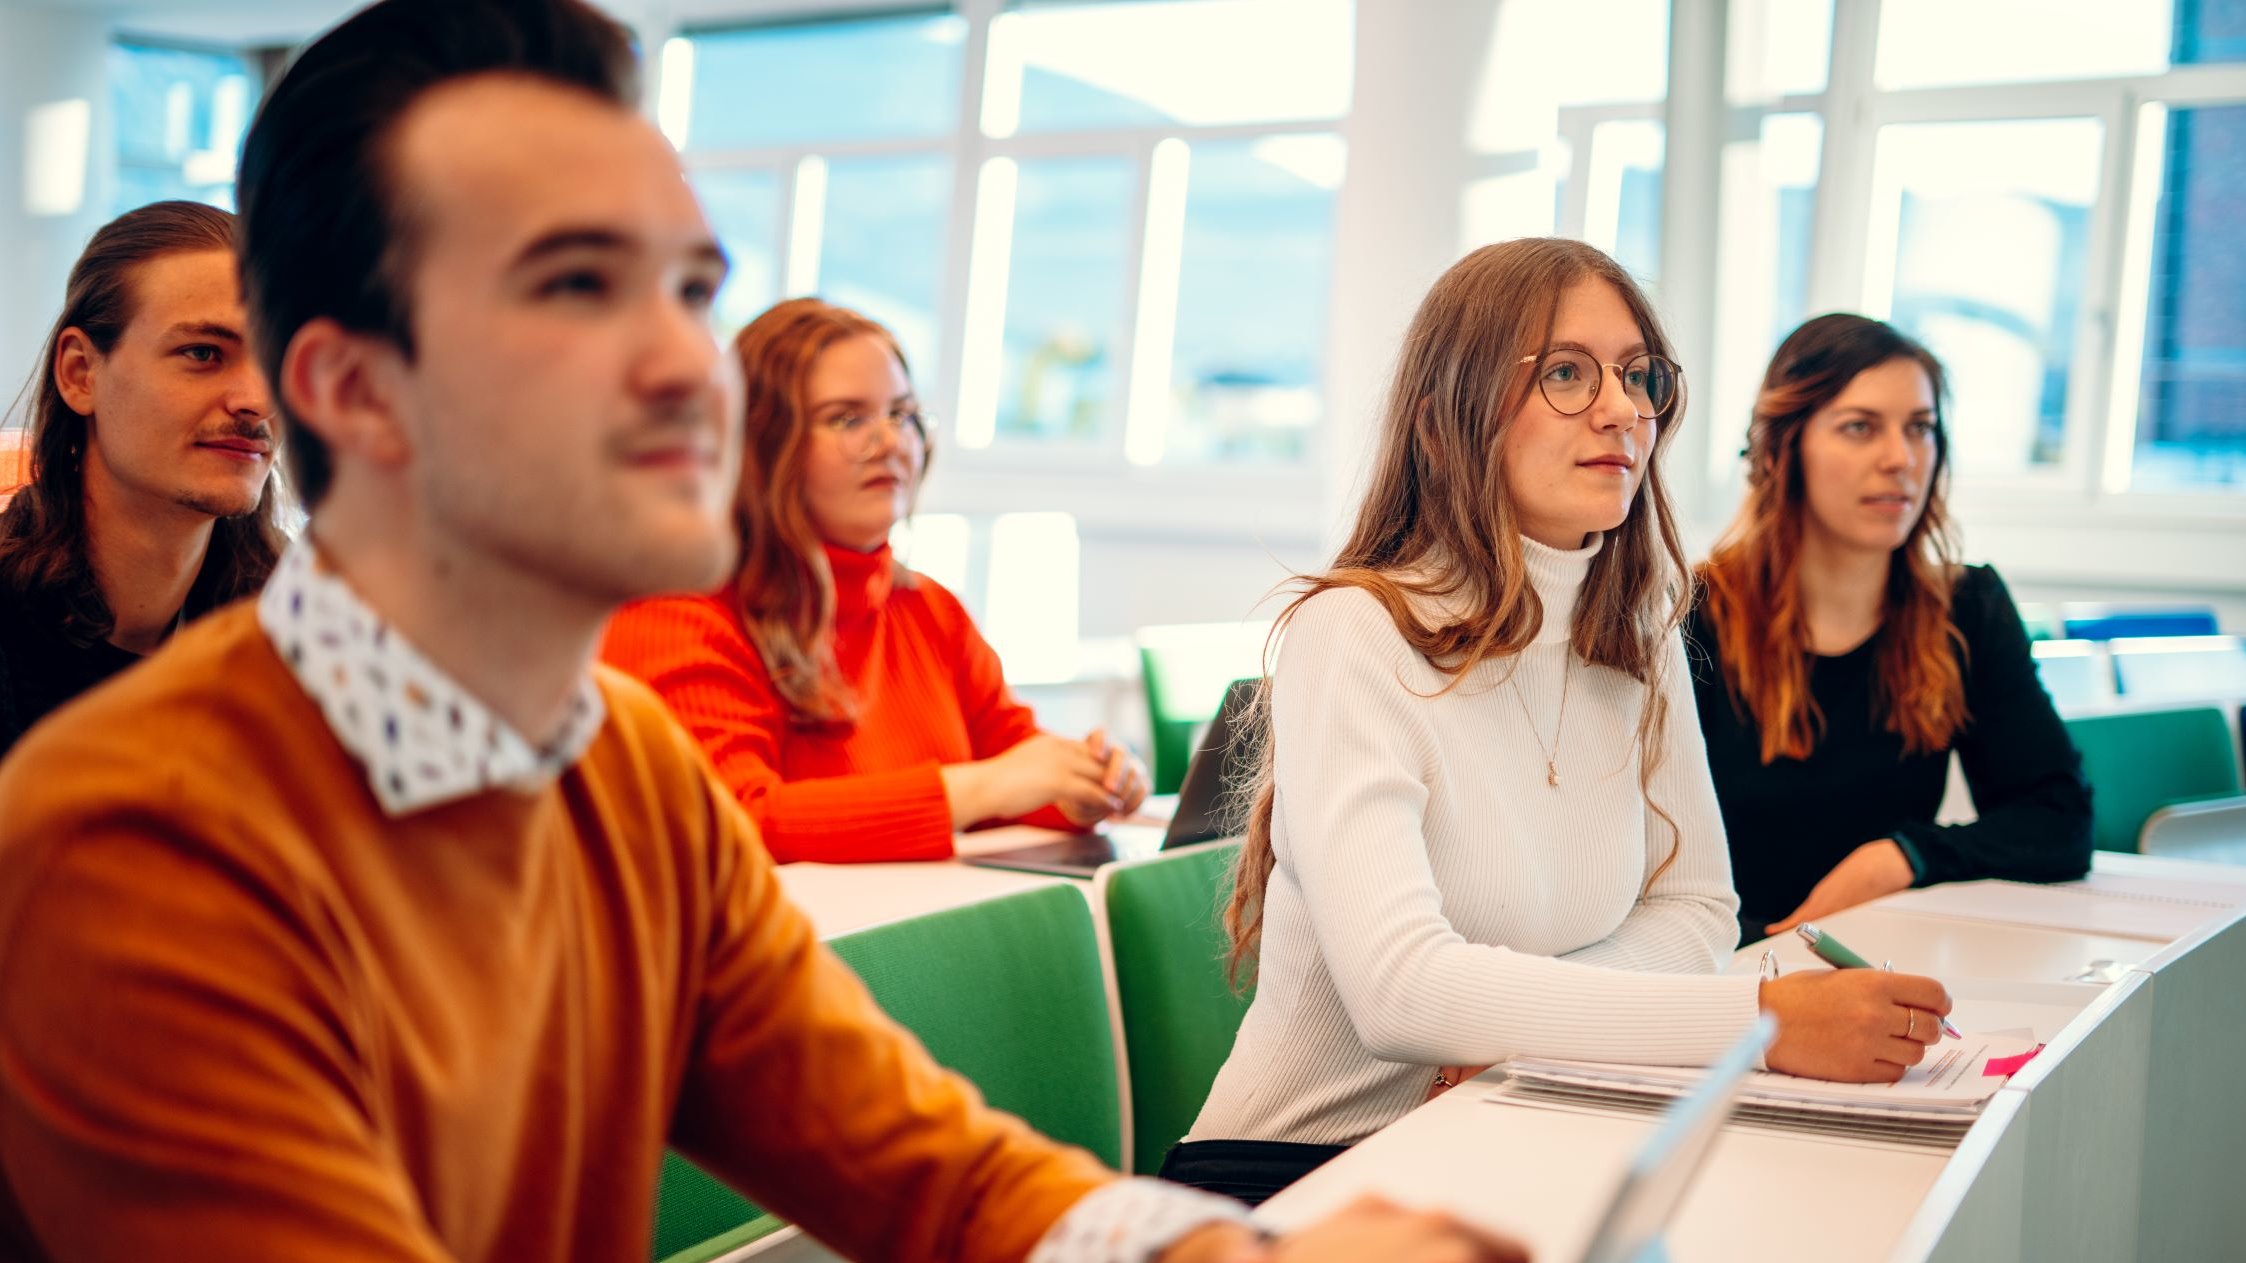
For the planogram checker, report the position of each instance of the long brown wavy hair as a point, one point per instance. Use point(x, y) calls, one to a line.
point(1752, 578)
point(43, 558)
point(1438, 521)
point(784, 589)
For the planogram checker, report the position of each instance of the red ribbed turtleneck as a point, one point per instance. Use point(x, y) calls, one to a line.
point(930, 692)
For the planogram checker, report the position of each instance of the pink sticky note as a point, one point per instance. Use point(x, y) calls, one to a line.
point(2009, 1066)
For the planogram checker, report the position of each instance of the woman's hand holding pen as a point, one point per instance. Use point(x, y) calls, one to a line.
point(1853, 1025)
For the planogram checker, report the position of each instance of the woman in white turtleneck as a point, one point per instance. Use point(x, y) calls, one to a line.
point(1483, 824)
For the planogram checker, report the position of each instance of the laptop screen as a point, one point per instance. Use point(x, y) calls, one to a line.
point(1219, 760)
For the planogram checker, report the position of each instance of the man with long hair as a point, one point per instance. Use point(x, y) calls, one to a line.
point(150, 499)
point(373, 923)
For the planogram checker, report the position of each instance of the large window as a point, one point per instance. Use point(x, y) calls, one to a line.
point(1978, 246)
point(1112, 250)
point(1104, 229)
point(1063, 65)
point(871, 79)
point(2043, 191)
point(1568, 126)
point(180, 116)
point(2191, 394)
point(1069, 242)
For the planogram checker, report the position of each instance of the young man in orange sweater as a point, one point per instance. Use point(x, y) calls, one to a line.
point(370, 923)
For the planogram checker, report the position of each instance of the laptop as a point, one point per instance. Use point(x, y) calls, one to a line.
point(1663, 1171)
point(1199, 816)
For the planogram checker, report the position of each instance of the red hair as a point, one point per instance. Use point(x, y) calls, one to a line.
point(783, 589)
point(1752, 579)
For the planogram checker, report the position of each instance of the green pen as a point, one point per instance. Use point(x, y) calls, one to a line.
point(1830, 950)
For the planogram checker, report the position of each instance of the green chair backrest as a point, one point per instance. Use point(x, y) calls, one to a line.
point(697, 1219)
point(1186, 668)
point(1179, 1009)
point(1007, 992)
point(2042, 622)
point(2140, 761)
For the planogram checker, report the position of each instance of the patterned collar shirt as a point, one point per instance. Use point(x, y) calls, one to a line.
point(424, 739)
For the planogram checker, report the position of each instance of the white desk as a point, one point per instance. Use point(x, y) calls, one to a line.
point(841, 898)
point(1948, 949)
point(1543, 1174)
point(2122, 1139)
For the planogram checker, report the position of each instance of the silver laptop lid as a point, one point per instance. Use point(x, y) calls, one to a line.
point(1658, 1178)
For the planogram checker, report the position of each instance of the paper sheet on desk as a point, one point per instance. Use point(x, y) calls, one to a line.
point(2103, 903)
point(1948, 1082)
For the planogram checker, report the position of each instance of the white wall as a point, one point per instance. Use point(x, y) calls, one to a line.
point(47, 56)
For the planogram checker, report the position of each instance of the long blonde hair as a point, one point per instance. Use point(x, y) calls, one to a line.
point(1437, 520)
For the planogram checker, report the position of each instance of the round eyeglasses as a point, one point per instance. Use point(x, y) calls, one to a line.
point(1570, 382)
point(859, 433)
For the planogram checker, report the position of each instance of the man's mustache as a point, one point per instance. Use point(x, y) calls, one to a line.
point(259, 429)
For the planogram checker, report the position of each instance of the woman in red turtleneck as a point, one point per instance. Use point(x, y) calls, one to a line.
point(849, 702)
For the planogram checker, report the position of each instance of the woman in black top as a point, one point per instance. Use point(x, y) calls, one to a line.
point(1840, 653)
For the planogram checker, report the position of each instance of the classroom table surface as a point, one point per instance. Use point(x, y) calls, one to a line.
point(841, 898)
point(1543, 1173)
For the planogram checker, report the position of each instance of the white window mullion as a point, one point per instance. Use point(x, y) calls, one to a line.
point(962, 234)
point(807, 225)
point(1152, 399)
point(1124, 374)
point(2144, 162)
point(2091, 380)
point(1841, 218)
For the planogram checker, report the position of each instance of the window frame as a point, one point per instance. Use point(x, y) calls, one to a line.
point(255, 61)
point(1093, 477)
point(2091, 477)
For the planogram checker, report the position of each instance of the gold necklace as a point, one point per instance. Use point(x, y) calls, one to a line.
point(1551, 752)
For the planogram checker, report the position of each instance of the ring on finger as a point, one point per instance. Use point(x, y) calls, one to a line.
point(1910, 1025)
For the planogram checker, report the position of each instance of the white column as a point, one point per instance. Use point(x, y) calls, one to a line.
point(1397, 218)
point(1844, 173)
point(1691, 188)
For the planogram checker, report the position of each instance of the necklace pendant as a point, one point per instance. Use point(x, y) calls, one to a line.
point(1552, 773)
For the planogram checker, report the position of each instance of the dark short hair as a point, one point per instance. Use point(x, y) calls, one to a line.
point(324, 230)
point(43, 557)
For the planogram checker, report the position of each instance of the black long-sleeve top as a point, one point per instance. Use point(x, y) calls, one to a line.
point(1792, 821)
point(41, 668)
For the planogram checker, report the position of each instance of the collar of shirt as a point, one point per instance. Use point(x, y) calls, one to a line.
point(423, 738)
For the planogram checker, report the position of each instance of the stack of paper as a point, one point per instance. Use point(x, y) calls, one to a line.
point(1933, 1104)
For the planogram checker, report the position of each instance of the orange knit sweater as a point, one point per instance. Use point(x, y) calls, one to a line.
point(245, 1015)
point(930, 692)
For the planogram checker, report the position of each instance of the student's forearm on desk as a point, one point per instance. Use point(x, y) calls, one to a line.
point(900, 815)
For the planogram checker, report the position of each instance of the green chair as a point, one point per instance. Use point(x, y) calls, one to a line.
point(2140, 761)
point(1179, 1009)
point(697, 1219)
point(2042, 622)
point(1007, 992)
point(1186, 668)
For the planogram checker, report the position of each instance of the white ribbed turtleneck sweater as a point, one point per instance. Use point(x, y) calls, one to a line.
point(1436, 902)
